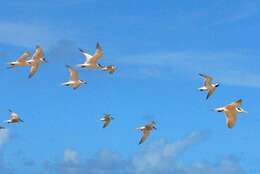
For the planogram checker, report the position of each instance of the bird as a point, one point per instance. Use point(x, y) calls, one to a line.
point(14, 118)
point(208, 85)
point(21, 61)
point(106, 120)
point(74, 81)
point(146, 129)
point(92, 60)
point(231, 111)
point(36, 60)
point(110, 68)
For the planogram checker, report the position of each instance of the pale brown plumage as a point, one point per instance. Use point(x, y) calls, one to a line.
point(146, 129)
point(231, 111)
point(37, 58)
point(208, 85)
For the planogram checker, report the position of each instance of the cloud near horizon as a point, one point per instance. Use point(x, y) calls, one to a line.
point(158, 157)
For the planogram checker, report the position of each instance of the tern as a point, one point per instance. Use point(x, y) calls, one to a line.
point(36, 60)
point(74, 81)
point(110, 68)
point(106, 120)
point(14, 118)
point(146, 129)
point(231, 111)
point(208, 85)
point(21, 61)
point(92, 60)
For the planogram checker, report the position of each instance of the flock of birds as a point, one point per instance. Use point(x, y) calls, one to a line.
point(91, 61)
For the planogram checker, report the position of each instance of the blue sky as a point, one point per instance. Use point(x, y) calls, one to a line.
point(159, 48)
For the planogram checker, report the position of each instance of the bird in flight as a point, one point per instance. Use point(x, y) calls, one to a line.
point(106, 120)
point(231, 111)
point(74, 81)
point(36, 60)
point(146, 129)
point(14, 118)
point(21, 61)
point(110, 68)
point(92, 60)
point(208, 85)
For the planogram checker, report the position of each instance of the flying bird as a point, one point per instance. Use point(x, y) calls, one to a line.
point(110, 68)
point(146, 129)
point(106, 120)
point(14, 118)
point(36, 60)
point(208, 85)
point(21, 61)
point(92, 60)
point(231, 111)
point(74, 81)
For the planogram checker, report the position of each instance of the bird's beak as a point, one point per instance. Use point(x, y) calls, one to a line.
point(245, 112)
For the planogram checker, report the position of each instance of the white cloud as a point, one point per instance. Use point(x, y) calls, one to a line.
point(158, 157)
point(70, 156)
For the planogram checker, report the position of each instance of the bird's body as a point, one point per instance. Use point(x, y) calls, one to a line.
point(106, 120)
point(74, 81)
point(231, 111)
point(14, 118)
point(36, 60)
point(92, 60)
point(146, 129)
point(208, 85)
point(21, 61)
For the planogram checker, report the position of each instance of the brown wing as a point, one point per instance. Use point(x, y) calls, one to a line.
point(73, 73)
point(38, 54)
point(107, 116)
point(231, 118)
point(23, 57)
point(233, 105)
point(106, 123)
point(98, 54)
point(145, 135)
point(208, 79)
point(33, 70)
point(210, 92)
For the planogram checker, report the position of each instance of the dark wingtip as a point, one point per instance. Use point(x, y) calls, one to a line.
point(81, 50)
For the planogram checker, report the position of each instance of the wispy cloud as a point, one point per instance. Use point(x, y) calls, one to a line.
point(233, 68)
point(158, 157)
point(28, 35)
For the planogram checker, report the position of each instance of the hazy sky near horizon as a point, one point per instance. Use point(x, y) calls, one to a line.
point(159, 48)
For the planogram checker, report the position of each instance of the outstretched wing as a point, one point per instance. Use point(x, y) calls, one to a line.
point(38, 54)
point(73, 73)
point(24, 56)
point(106, 123)
point(207, 79)
point(33, 70)
point(145, 135)
point(231, 118)
point(235, 104)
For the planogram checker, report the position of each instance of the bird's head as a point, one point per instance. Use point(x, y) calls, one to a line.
point(217, 85)
point(43, 60)
point(239, 109)
point(83, 81)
